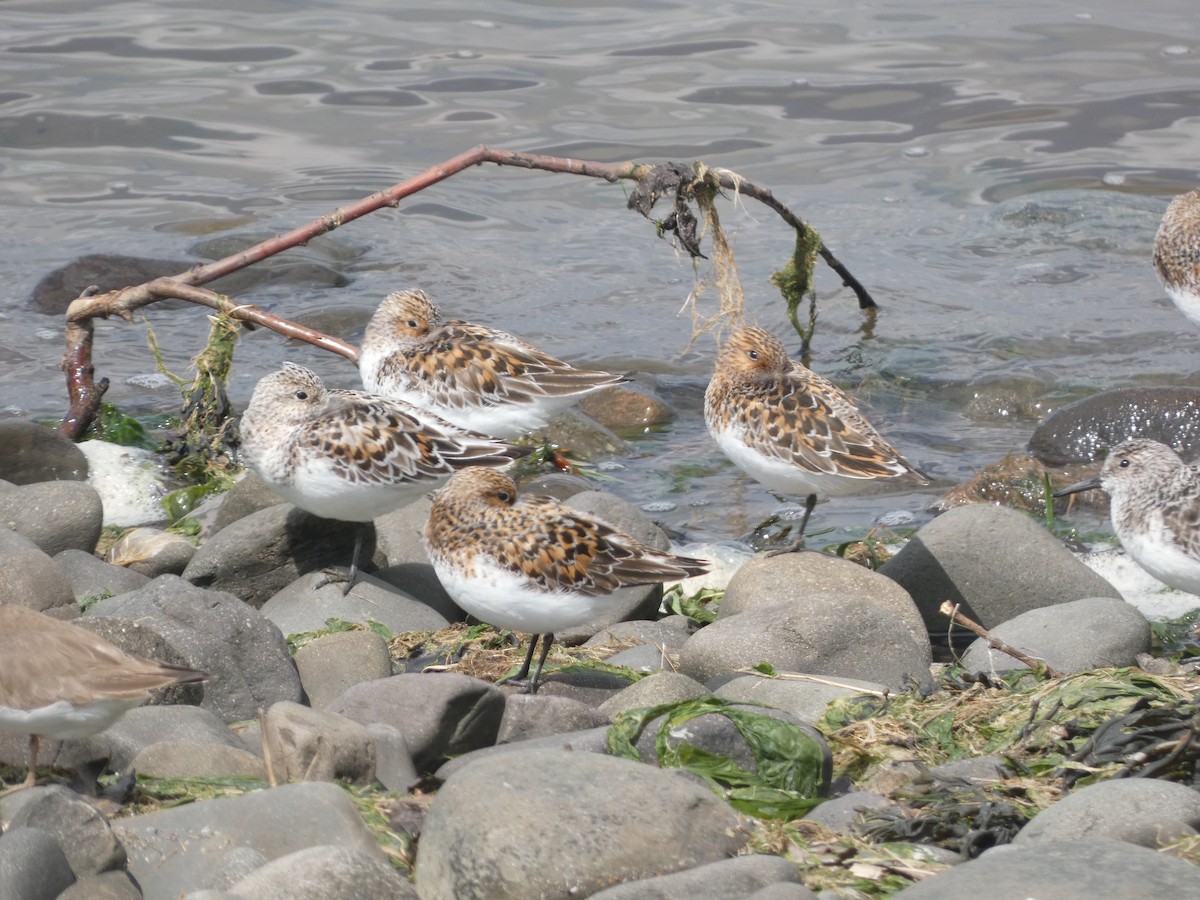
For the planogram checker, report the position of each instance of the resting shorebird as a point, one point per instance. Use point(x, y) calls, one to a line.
point(789, 428)
point(352, 456)
point(531, 563)
point(59, 681)
point(470, 375)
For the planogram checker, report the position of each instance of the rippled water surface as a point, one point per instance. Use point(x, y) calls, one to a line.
point(993, 173)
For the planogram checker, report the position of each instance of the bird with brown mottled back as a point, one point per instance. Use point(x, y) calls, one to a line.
point(531, 563)
point(350, 455)
point(473, 376)
point(790, 429)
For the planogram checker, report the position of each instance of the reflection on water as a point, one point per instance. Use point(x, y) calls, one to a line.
point(993, 173)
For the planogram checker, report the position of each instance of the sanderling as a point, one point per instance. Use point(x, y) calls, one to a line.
point(531, 563)
point(1177, 253)
point(1155, 509)
point(349, 455)
point(59, 681)
point(472, 376)
point(789, 428)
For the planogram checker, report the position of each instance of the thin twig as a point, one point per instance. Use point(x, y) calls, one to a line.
point(85, 393)
point(950, 610)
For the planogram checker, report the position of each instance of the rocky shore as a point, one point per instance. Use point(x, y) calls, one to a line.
point(809, 740)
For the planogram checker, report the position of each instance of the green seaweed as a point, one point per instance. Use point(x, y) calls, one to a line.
point(789, 763)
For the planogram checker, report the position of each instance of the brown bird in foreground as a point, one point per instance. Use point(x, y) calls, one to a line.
point(59, 681)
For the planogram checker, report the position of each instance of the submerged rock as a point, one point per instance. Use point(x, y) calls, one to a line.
point(1080, 432)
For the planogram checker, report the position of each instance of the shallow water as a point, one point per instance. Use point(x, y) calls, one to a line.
point(993, 173)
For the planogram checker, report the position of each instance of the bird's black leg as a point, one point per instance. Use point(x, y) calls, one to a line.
point(798, 544)
point(547, 640)
point(523, 673)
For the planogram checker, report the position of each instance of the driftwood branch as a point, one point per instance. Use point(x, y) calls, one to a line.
point(950, 610)
point(85, 393)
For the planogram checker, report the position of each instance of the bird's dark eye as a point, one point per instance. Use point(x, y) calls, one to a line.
point(413, 323)
point(503, 496)
point(753, 354)
point(301, 395)
point(1124, 464)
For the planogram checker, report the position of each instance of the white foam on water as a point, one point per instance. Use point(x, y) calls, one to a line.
point(130, 482)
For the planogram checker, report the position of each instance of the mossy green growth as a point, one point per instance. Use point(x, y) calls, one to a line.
point(795, 279)
point(336, 626)
point(114, 426)
point(700, 607)
point(789, 762)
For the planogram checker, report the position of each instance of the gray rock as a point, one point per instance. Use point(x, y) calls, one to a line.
point(32, 865)
point(657, 690)
point(530, 716)
point(1146, 811)
point(1071, 637)
point(590, 686)
point(1079, 432)
point(994, 562)
point(183, 759)
point(311, 745)
point(559, 485)
point(419, 580)
point(971, 771)
point(645, 658)
point(590, 740)
point(55, 515)
point(439, 715)
point(152, 552)
point(204, 845)
point(805, 697)
point(727, 878)
point(248, 496)
point(332, 663)
point(842, 813)
point(208, 630)
point(398, 534)
point(325, 873)
point(145, 726)
point(810, 580)
point(394, 767)
point(92, 577)
point(31, 453)
point(519, 815)
point(854, 639)
point(28, 575)
point(257, 556)
point(1067, 870)
point(302, 606)
point(782, 890)
point(670, 633)
point(105, 886)
point(82, 832)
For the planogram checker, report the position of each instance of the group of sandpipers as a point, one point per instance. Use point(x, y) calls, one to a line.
point(442, 400)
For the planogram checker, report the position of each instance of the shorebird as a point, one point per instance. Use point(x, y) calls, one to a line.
point(350, 455)
point(60, 681)
point(790, 429)
point(1177, 253)
point(472, 376)
point(533, 564)
point(1155, 509)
